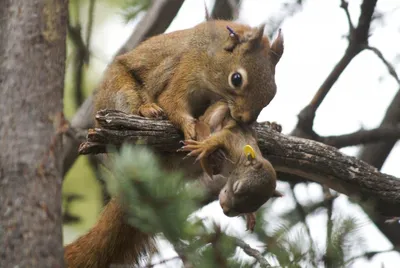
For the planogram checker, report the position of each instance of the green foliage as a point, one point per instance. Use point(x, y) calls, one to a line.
point(161, 202)
point(344, 239)
point(132, 8)
point(138, 179)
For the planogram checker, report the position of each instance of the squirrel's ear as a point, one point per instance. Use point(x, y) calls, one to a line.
point(276, 50)
point(255, 40)
point(249, 152)
point(259, 34)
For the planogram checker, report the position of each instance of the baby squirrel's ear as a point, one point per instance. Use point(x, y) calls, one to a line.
point(249, 152)
point(277, 48)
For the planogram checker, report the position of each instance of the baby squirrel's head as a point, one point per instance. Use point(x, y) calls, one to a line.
point(249, 186)
point(242, 71)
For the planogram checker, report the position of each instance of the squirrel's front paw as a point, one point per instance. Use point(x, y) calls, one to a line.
point(151, 110)
point(196, 148)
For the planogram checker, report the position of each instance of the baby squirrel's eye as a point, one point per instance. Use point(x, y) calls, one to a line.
point(236, 79)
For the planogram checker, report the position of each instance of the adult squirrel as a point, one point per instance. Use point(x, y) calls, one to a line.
point(181, 73)
point(113, 241)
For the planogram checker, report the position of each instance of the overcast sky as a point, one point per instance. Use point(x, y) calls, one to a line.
point(314, 42)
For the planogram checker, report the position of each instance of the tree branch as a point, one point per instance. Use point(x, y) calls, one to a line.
point(225, 9)
point(305, 158)
point(253, 253)
point(362, 137)
point(90, 25)
point(81, 56)
point(358, 40)
point(156, 21)
point(376, 154)
point(345, 5)
point(389, 66)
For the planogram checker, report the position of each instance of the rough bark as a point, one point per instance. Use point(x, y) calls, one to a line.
point(156, 21)
point(289, 155)
point(32, 52)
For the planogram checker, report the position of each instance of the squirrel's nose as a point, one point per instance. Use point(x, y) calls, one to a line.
point(225, 208)
point(228, 211)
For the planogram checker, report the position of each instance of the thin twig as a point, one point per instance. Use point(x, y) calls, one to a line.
point(329, 226)
point(368, 255)
point(161, 262)
point(253, 253)
point(388, 65)
point(358, 39)
point(81, 56)
point(345, 5)
point(215, 241)
point(180, 250)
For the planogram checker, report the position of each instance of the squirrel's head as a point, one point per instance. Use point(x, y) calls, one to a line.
point(249, 186)
point(241, 67)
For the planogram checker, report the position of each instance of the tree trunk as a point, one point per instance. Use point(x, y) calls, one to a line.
point(32, 53)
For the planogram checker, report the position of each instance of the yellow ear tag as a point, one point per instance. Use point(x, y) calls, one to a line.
point(248, 150)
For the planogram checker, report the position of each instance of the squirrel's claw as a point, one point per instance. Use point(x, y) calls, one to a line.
point(273, 125)
point(195, 148)
point(151, 110)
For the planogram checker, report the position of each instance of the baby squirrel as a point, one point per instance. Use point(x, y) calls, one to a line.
point(251, 179)
point(181, 73)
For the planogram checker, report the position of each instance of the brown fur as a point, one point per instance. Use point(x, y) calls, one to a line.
point(250, 185)
point(185, 71)
point(110, 241)
point(179, 74)
point(251, 182)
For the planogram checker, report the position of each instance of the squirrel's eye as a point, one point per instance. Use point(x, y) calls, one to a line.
point(236, 79)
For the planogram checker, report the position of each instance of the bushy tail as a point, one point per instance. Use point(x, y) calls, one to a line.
point(110, 241)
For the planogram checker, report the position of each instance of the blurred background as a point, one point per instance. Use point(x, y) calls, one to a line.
point(316, 37)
